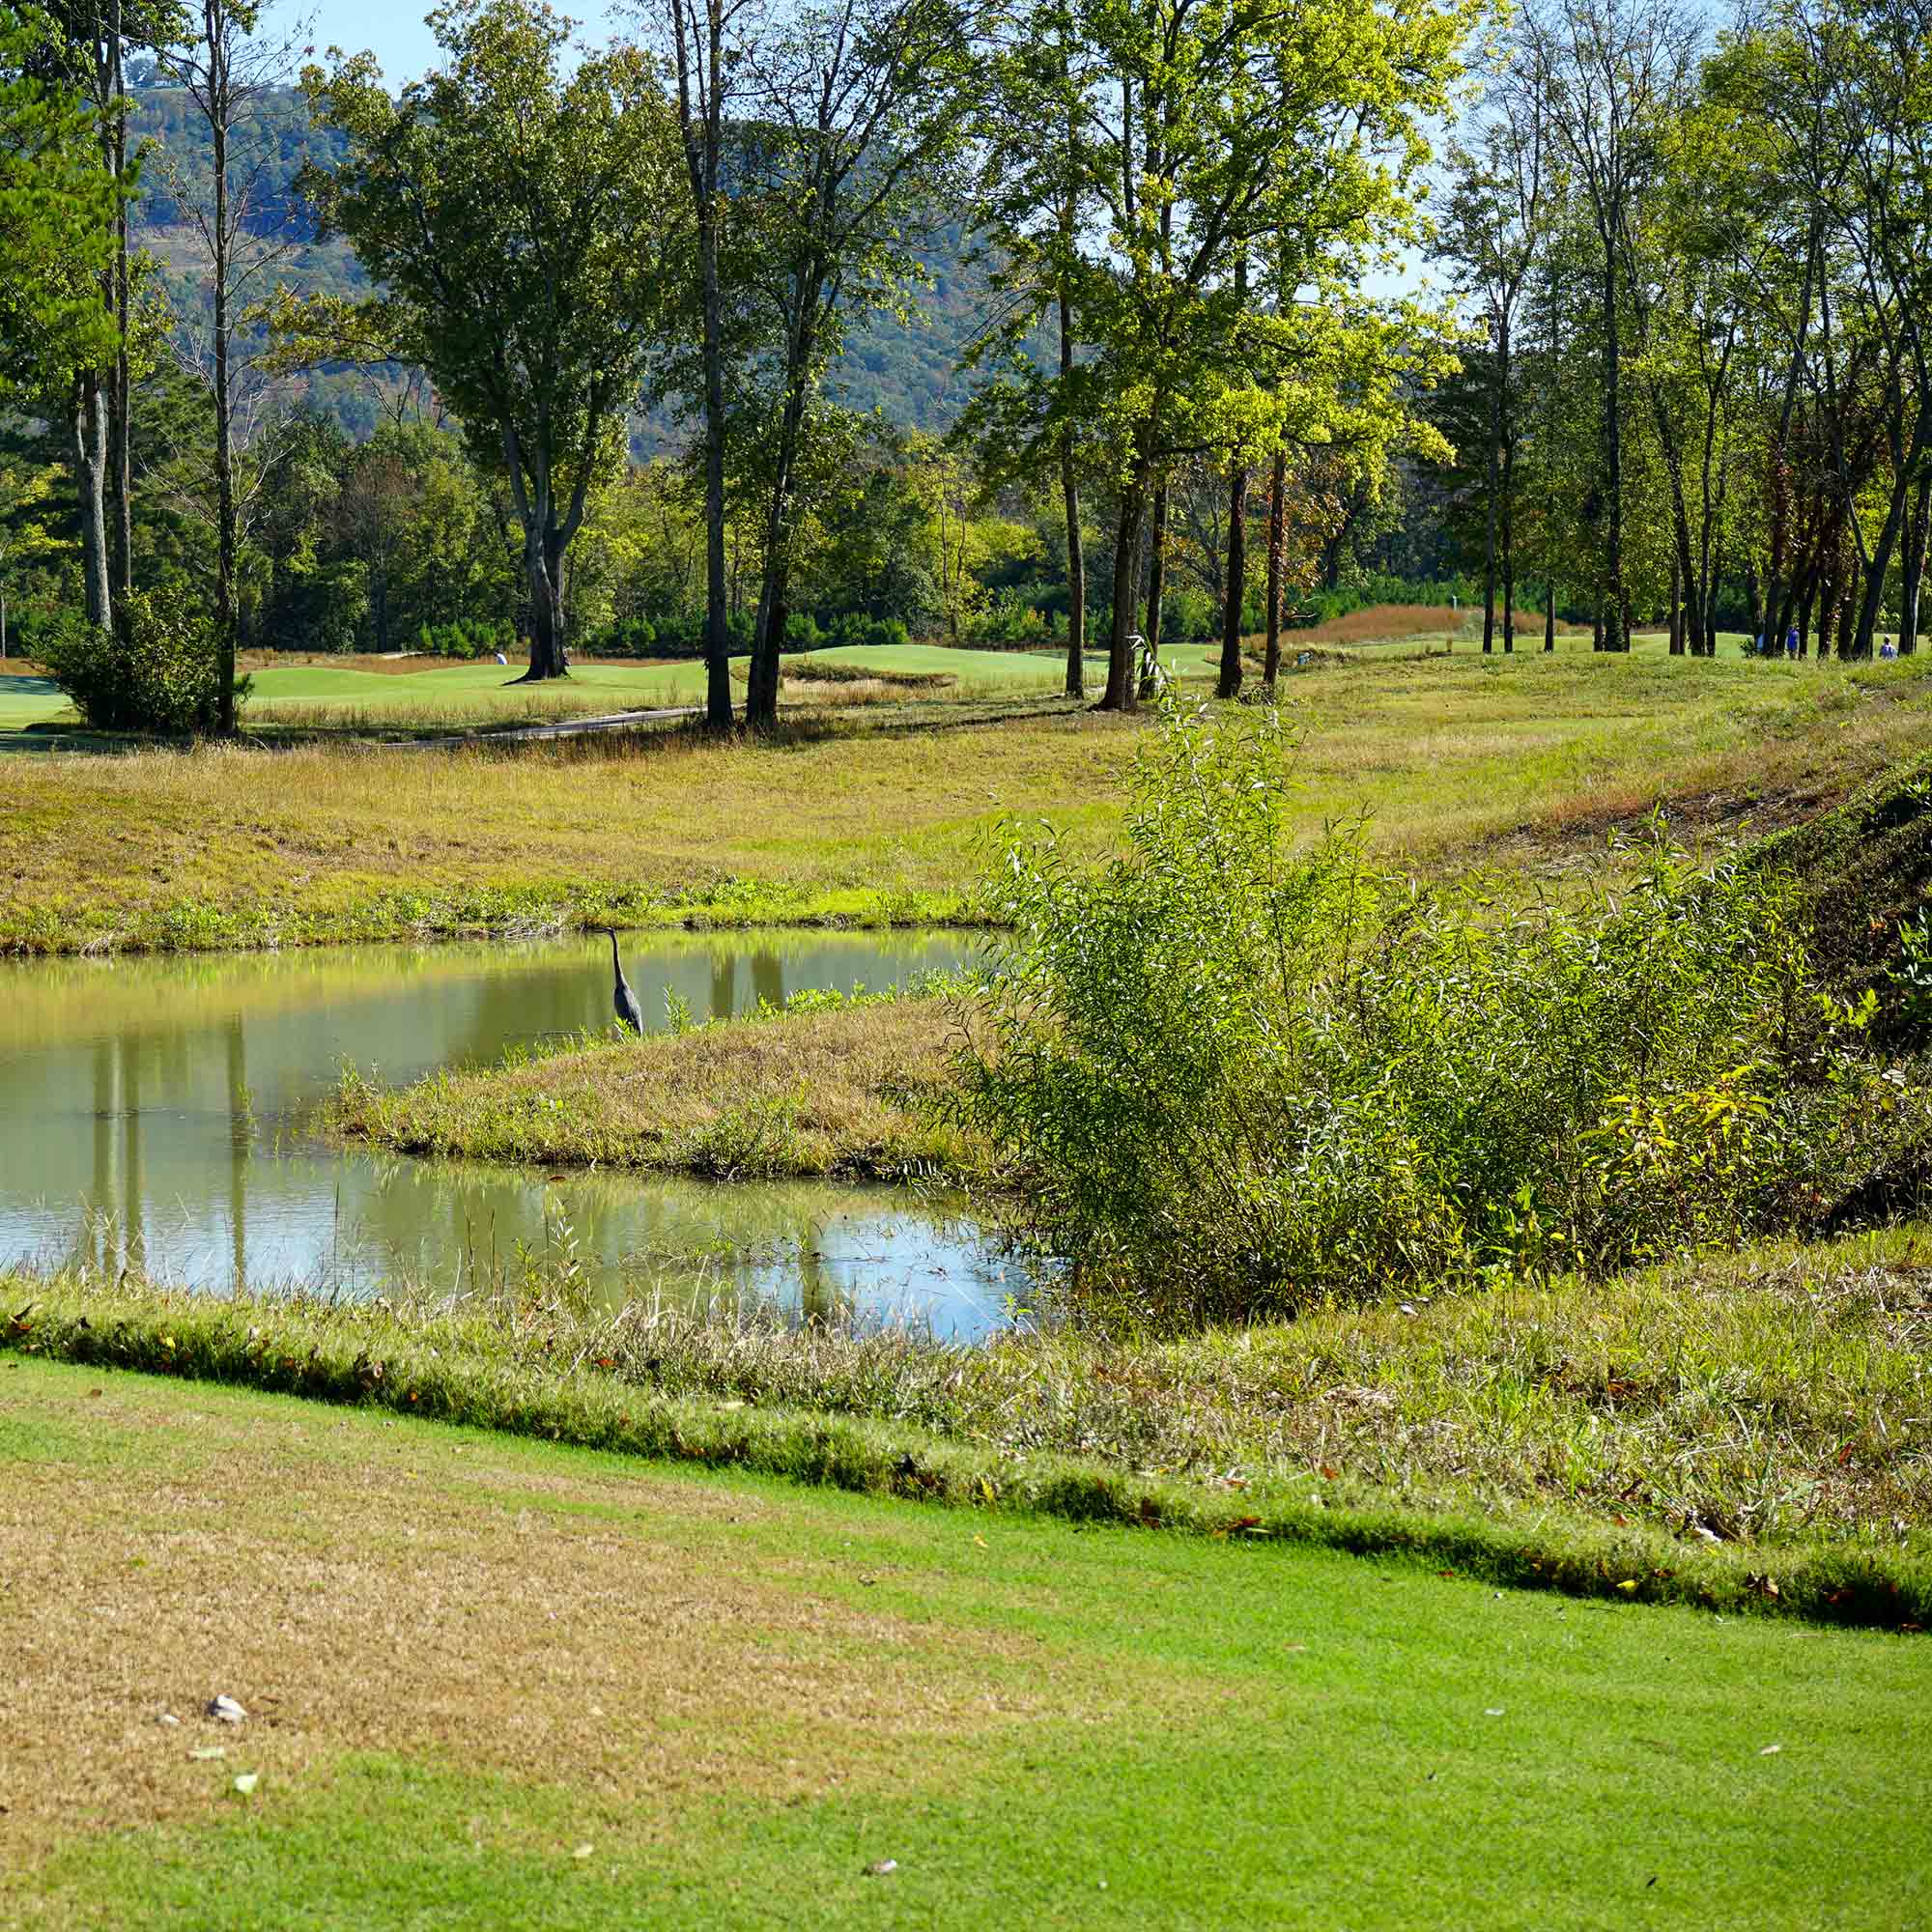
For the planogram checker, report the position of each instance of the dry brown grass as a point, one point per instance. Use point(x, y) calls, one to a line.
point(318, 829)
point(357, 1587)
point(227, 846)
point(1383, 623)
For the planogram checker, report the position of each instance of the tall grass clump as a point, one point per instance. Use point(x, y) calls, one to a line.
point(1241, 1077)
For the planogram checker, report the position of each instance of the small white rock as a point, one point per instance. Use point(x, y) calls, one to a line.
point(167, 1717)
point(883, 1868)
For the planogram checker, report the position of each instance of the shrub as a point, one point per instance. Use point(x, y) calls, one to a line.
point(1239, 1078)
point(680, 633)
point(475, 638)
point(157, 671)
point(628, 637)
point(1009, 621)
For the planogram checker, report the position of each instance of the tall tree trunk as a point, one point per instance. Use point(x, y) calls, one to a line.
point(119, 489)
point(549, 657)
point(1613, 453)
point(717, 634)
point(1492, 508)
point(762, 685)
point(546, 618)
point(532, 490)
point(1277, 538)
point(1070, 490)
point(700, 115)
point(224, 419)
point(1121, 692)
point(1676, 606)
point(1780, 596)
point(1849, 638)
point(1236, 586)
point(1157, 583)
point(1509, 529)
point(90, 445)
point(1549, 615)
point(1905, 465)
point(1915, 567)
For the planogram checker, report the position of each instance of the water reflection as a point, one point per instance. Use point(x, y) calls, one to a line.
point(151, 1119)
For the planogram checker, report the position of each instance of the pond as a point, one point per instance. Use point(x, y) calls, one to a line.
point(155, 1115)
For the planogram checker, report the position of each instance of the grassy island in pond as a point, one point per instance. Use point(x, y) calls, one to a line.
point(845, 1089)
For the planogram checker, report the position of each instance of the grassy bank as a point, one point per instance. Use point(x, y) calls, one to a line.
point(635, 1697)
point(1744, 1432)
point(841, 1090)
point(881, 818)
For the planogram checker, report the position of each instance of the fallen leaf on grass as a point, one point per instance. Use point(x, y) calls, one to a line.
point(209, 1751)
point(881, 1869)
point(1771, 1750)
point(582, 1851)
point(247, 1781)
point(1629, 1583)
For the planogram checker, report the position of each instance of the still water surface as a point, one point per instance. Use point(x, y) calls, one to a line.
point(153, 1114)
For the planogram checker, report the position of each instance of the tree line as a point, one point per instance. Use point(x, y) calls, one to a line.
point(1683, 371)
point(1702, 264)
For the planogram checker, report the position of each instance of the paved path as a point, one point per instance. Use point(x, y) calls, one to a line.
point(566, 728)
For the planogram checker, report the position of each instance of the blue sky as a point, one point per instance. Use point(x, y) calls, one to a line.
point(396, 32)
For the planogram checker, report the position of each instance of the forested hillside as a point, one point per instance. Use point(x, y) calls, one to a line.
point(906, 370)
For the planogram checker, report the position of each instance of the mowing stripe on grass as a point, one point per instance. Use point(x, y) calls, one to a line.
point(505, 1683)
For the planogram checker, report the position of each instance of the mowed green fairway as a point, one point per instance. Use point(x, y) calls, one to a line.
point(489, 694)
point(458, 695)
point(29, 700)
point(493, 1682)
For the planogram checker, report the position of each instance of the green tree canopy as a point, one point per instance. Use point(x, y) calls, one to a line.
point(521, 209)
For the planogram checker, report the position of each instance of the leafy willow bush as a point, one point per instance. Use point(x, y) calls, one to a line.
point(1241, 1077)
point(157, 671)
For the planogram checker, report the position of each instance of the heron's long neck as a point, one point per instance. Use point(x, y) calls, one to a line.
point(616, 964)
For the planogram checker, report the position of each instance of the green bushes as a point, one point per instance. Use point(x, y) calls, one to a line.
point(1241, 1078)
point(627, 638)
point(1009, 622)
point(853, 630)
point(477, 638)
point(157, 671)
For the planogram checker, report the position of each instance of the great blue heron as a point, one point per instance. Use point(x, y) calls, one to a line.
point(627, 1001)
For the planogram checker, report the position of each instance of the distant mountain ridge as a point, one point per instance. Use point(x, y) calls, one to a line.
point(906, 370)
